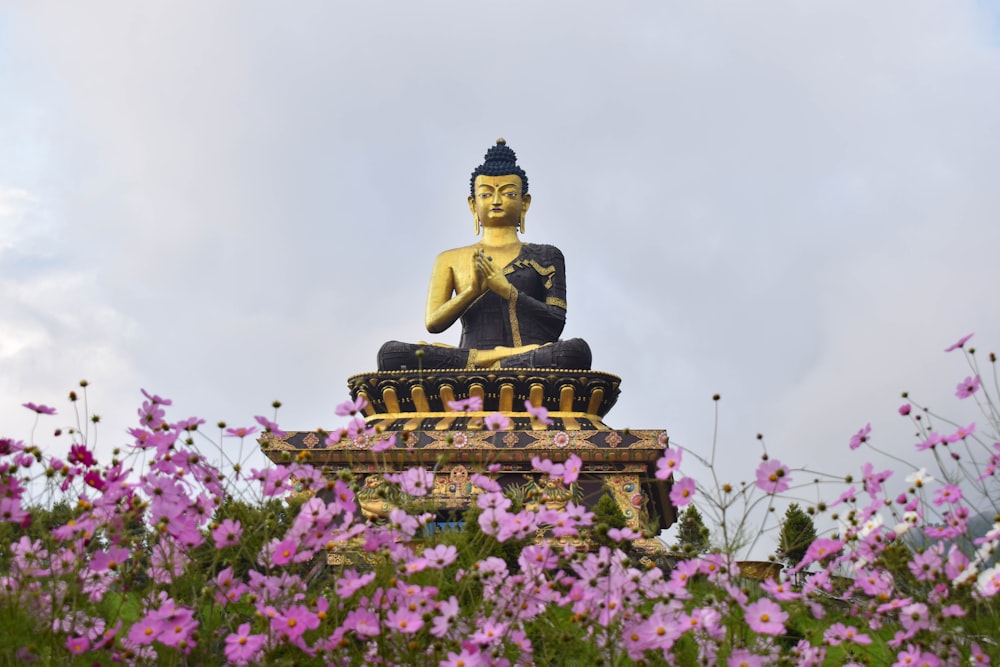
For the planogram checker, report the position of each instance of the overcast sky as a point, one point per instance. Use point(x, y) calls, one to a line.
point(794, 205)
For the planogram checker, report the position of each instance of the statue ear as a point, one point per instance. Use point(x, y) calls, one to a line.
point(527, 202)
point(475, 216)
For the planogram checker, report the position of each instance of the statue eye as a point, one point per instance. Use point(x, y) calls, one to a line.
point(512, 195)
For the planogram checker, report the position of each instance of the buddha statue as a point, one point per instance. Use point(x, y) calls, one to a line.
point(510, 296)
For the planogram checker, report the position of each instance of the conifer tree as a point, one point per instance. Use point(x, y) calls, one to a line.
point(692, 535)
point(797, 532)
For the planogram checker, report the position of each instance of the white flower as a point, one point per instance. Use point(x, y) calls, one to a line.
point(988, 582)
point(919, 478)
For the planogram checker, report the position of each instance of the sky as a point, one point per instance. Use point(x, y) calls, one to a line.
point(793, 205)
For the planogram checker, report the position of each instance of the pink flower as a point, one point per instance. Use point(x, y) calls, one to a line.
point(227, 534)
point(766, 617)
point(497, 422)
point(539, 413)
point(572, 466)
point(270, 427)
point(470, 404)
point(384, 445)
point(861, 437)
point(668, 463)
point(962, 433)
point(243, 647)
point(904, 409)
point(404, 620)
point(241, 432)
point(441, 556)
point(467, 658)
point(949, 493)
point(621, 534)
point(743, 658)
point(967, 387)
point(820, 549)
point(156, 399)
point(554, 470)
point(414, 481)
point(40, 409)
point(77, 645)
point(350, 408)
point(772, 476)
point(839, 633)
point(351, 582)
point(363, 622)
point(960, 343)
point(295, 621)
point(683, 492)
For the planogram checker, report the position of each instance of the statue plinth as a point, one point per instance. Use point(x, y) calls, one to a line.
point(412, 408)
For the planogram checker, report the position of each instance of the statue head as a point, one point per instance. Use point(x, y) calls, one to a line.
point(500, 161)
point(499, 190)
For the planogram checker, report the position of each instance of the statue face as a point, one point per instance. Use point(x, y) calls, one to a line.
point(498, 201)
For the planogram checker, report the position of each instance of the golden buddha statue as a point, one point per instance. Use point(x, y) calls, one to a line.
point(509, 295)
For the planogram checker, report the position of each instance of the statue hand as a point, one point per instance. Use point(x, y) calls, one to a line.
point(492, 276)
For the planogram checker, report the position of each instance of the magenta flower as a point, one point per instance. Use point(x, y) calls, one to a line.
point(80, 454)
point(241, 432)
point(40, 409)
point(967, 387)
point(861, 437)
point(961, 342)
point(540, 413)
point(772, 476)
point(904, 409)
point(766, 617)
point(668, 463)
point(683, 492)
point(243, 647)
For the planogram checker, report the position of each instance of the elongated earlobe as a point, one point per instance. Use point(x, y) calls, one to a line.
point(476, 217)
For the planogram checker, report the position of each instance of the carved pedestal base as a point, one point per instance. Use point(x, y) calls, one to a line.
point(412, 408)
